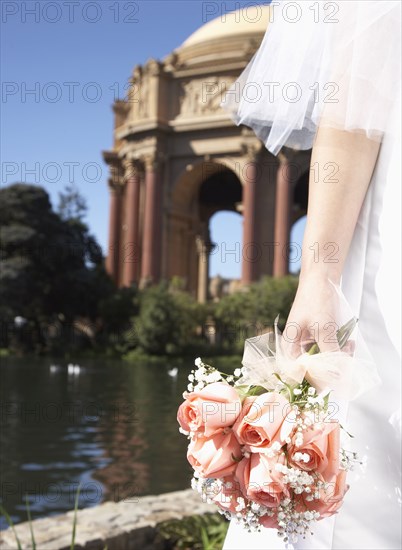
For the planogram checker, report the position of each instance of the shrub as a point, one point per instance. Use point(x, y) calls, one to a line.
point(167, 321)
point(249, 312)
point(203, 532)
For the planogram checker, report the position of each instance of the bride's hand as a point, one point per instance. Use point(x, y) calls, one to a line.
point(313, 317)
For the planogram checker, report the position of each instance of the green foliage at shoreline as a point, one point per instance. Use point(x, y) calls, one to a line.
point(198, 532)
point(57, 299)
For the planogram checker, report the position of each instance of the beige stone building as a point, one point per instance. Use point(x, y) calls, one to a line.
point(178, 159)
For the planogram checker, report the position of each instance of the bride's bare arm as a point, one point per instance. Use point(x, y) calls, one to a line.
point(341, 169)
point(342, 164)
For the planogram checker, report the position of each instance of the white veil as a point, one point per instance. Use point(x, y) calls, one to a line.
point(321, 63)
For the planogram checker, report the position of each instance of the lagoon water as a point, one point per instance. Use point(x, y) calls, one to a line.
point(110, 427)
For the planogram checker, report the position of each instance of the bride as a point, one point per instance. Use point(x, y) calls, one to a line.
point(328, 77)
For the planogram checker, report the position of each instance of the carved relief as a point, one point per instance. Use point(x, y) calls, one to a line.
point(203, 96)
point(116, 170)
point(132, 168)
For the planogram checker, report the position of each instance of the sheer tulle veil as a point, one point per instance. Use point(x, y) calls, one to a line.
point(322, 63)
point(338, 64)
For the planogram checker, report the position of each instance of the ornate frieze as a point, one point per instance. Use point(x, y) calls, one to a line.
point(202, 96)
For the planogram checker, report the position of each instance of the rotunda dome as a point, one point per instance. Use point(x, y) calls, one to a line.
point(251, 19)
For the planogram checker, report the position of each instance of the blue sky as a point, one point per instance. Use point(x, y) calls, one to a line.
point(77, 57)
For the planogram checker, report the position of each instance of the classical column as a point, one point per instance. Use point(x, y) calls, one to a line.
point(204, 247)
point(113, 255)
point(152, 235)
point(251, 249)
point(282, 217)
point(131, 251)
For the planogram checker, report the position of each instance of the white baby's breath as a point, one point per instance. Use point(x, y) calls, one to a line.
point(307, 409)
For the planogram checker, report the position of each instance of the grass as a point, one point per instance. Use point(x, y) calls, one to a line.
point(77, 496)
point(197, 532)
point(11, 525)
point(30, 523)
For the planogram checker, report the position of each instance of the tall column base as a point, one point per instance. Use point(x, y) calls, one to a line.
point(250, 248)
point(113, 256)
point(282, 218)
point(132, 249)
point(153, 220)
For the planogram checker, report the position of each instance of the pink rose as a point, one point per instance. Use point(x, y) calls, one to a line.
point(269, 522)
point(209, 410)
point(215, 456)
point(260, 481)
point(319, 451)
point(331, 497)
point(228, 495)
point(260, 421)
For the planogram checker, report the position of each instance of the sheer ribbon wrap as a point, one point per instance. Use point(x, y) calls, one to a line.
point(348, 374)
point(334, 64)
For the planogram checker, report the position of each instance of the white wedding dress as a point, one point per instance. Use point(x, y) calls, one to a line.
point(363, 53)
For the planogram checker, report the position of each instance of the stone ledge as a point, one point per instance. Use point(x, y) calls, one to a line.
point(124, 525)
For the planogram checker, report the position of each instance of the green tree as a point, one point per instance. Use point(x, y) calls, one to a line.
point(72, 205)
point(50, 267)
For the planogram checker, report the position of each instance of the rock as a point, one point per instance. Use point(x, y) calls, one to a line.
point(116, 525)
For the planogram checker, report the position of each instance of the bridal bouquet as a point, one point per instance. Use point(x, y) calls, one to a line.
point(265, 444)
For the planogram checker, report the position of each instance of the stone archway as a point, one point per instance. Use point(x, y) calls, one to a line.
point(173, 149)
point(204, 189)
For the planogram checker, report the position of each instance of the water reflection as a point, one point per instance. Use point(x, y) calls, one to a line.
point(110, 426)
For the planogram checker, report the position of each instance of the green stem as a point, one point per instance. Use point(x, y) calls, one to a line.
point(342, 335)
point(30, 523)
